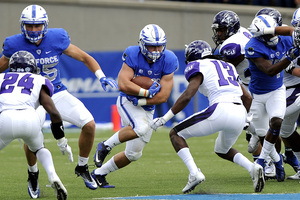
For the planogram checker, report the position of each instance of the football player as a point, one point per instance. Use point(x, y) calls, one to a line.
point(135, 104)
point(268, 55)
point(47, 45)
point(288, 131)
point(226, 114)
point(21, 92)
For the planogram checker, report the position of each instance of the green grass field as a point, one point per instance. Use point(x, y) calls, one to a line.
point(158, 172)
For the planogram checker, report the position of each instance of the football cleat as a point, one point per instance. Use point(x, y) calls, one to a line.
point(101, 153)
point(193, 181)
point(270, 170)
point(257, 176)
point(83, 171)
point(101, 180)
point(280, 173)
point(292, 161)
point(295, 177)
point(33, 184)
point(59, 188)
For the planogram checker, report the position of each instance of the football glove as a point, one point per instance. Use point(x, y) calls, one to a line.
point(157, 122)
point(292, 53)
point(108, 81)
point(154, 89)
point(65, 148)
point(290, 68)
point(256, 32)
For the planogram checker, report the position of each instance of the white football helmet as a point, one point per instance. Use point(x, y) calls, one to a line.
point(296, 17)
point(34, 14)
point(265, 21)
point(152, 35)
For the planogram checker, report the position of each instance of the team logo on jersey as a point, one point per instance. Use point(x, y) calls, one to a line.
point(229, 52)
point(141, 71)
point(149, 72)
point(250, 51)
point(272, 56)
point(38, 51)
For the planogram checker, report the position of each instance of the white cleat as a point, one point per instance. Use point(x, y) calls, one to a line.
point(257, 175)
point(194, 180)
point(59, 188)
point(295, 177)
point(270, 170)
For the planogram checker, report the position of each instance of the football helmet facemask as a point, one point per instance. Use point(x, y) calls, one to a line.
point(196, 50)
point(273, 13)
point(34, 14)
point(225, 19)
point(22, 61)
point(265, 21)
point(152, 35)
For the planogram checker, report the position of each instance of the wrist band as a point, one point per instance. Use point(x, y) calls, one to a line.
point(142, 102)
point(57, 130)
point(99, 74)
point(270, 31)
point(168, 115)
point(143, 92)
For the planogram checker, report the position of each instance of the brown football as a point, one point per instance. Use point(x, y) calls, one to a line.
point(143, 81)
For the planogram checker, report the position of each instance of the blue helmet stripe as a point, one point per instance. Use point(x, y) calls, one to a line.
point(264, 20)
point(156, 33)
point(33, 11)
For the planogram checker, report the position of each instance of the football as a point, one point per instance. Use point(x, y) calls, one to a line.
point(143, 81)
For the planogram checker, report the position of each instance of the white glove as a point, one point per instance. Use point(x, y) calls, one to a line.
point(157, 122)
point(297, 101)
point(65, 148)
point(260, 31)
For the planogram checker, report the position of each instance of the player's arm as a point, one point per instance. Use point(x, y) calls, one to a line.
point(246, 98)
point(124, 81)
point(269, 69)
point(80, 55)
point(192, 88)
point(162, 96)
point(3, 63)
point(56, 123)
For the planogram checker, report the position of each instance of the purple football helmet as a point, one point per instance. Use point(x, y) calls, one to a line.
point(22, 61)
point(197, 49)
point(225, 19)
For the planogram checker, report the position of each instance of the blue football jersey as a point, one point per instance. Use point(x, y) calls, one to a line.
point(47, 53)
point(262, 83)
point(166, 64)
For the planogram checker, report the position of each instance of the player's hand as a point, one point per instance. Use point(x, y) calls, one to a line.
point(296, 37)
point(290, 68)
point(292, 53)
point(133, 99)
point(108, 81)
point(255, 30)
point(65, 148)
point(154, 89)
point(157, 122)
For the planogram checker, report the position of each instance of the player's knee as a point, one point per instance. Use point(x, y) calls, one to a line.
point(142, 129)
point(275, 123)
point(89, 128)
point(133, 156)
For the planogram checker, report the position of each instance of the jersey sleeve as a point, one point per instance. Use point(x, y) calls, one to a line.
point(50, 87)
point(130, 56)
point(254, 49)
point(171, 61)
point(62, 39)
point(231, 50)
point(191, 70)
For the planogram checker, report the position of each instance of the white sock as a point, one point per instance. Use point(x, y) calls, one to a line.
point(33, 168)
point(188, 160)
point(242, 161)
point(108, 167)
point(82, 160)
point(266, 149)
point(45, 158)
point(274, 155)
point(113, 140)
